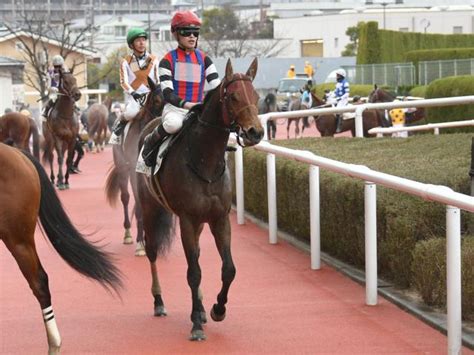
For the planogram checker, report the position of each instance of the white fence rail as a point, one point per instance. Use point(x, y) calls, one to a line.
point(454, 201)
point(380, 131)
point(359, 109)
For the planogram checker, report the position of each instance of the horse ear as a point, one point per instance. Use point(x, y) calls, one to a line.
point(252, 70)
point(151, 84)
point(229, 72)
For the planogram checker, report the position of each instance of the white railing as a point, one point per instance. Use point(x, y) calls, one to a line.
point(359, 109)
point(380, 131)
point(454, 201)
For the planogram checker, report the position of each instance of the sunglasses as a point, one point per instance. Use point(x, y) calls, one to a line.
point(187, 33)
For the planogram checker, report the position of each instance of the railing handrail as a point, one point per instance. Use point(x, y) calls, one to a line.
point(425, 127)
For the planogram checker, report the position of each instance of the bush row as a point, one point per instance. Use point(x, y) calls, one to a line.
point(438, 54)
point(402, 220)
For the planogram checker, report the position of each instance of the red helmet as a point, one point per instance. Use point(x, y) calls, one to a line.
point(182, 19)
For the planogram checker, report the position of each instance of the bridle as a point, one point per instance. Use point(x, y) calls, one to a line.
point(65, 92)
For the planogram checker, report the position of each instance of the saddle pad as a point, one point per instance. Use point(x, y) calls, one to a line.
point(348, 115)
point(142, 168)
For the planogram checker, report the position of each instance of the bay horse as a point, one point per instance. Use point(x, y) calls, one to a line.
point(266, 105)
point(195, 185)
point(326, 123)
point(97, 116)
point(125, 159)
point(27, 195)
point(16, 130)
point(381, 95)
point(61, 128)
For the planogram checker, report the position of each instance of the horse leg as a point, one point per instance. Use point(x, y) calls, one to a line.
point(297, 128)
point(59, 150)
point(221, 231)
point(190, 232)
point(288, 128)
point(30, 266)
point(125, 198)
point(69, 162)
point(274, 129)
point(140, 247)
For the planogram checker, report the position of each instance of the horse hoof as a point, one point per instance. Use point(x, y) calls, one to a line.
point(217, 317)
point(197, 335)
point(127, 239)
point(203, 318)
point(140, 249)
point(160, 311)
point(53, 350)
point(61, 187)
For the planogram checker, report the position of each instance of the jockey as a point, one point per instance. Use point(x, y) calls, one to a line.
point(53, 74)
point(183, 72)
point(135, 70)
point(342, 95)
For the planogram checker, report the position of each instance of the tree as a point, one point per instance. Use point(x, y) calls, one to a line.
point(351, 48)
point(35, 34)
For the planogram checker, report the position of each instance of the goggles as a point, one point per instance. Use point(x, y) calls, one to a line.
point(186, 32)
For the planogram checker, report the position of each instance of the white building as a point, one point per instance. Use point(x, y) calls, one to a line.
point(324, 35)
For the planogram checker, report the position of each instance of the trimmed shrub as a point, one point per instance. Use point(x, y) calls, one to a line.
point(429, 273)
point(361, 90)
point(419, 91)
point(438, 54)
point(449, 87)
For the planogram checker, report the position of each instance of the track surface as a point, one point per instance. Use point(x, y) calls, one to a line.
point(277, 305)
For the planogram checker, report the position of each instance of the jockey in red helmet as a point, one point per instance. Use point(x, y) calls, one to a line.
point(183, 73)
point(135, 70)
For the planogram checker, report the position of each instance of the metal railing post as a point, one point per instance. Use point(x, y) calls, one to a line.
point(272, 200)
point(314, 217)
point(359, 124)
point(239, 184)
point(453, 278)
point(370, 195)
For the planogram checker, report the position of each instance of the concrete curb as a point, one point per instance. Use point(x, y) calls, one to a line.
point(430, 316)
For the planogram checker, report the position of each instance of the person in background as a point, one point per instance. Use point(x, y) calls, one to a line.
point(135, 70)
point(291, 72)
point(342, 95)
point(308, 69)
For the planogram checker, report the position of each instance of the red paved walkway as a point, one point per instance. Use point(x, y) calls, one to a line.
point(277, 304)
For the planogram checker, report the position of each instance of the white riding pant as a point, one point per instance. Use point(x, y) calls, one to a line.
point(343, 102)
point(132, 108)
point(173, 118)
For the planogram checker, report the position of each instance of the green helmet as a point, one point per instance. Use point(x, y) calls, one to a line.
point(134, 33)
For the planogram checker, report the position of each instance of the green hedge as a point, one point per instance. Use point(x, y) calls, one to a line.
point(429, 273)
point(384, 46)
point(438, 54)
point(419, 91)
point(403, 220)
point(448, 87)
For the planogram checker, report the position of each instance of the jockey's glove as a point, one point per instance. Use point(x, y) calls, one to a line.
point(136, 95)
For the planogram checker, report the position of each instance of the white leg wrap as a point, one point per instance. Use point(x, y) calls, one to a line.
point(52, 331)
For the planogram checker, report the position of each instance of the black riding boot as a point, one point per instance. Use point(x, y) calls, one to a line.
point(152, 143)
point(119, 126)
point(338, 122)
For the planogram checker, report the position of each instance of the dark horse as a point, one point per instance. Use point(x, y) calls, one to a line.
point(16, 129)
point(326, 123)
point(296, 105)
point(194, 183)
point(34, 197)
point(125, 160)
point(266, 105)
point(97, 115)
point(61, 128)
point(380, 95)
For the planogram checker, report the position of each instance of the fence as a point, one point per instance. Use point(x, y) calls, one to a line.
point(404, 74)
point(454, 201)
point(432, 70)
point(380, 131)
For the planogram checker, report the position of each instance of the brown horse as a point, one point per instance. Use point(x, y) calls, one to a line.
point(34, 197)
point(326, 123)
point(16, 130)
point(125, 160)
point(97, 116)
point(195, 184)
point(61, 128)
point(381, 95)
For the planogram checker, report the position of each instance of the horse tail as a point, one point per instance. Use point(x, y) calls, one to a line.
point(112, 186)
point(35, 134)
point(79, 253)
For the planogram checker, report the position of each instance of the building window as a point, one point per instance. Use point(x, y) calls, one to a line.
point(336, 42)
point(457, 29)
point(403, 29)
point(120, 31)
point(108, 30)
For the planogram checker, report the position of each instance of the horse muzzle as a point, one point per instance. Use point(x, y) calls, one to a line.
point(252, 135)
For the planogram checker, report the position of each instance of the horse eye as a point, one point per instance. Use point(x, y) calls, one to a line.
point(235, 96)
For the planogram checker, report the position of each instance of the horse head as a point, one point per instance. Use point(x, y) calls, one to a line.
point(239, 100)
point(380, 95)
point(68, 86)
